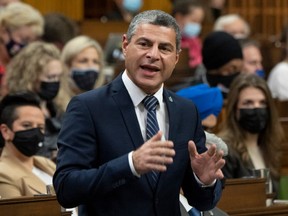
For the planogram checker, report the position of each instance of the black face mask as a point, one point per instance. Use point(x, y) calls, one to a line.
point(49, 90)
point(12, 46)
point(253, 120)
point(28, 142)
point(215, 80)
point(85, 79)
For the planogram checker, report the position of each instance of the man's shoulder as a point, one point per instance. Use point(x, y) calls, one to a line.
point(170, 95)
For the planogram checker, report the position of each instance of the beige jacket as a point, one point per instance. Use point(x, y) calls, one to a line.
point(16, 180)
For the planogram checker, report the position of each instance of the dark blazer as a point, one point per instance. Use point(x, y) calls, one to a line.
point(99, 130)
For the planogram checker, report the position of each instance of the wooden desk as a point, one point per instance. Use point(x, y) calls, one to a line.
point(243, 193)
point(27, 206)
point(282, 108)
point(274, 210)
point(247, 197)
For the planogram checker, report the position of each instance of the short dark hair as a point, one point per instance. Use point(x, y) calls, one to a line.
point(11, 102)
point(59, 28)
point(184, 7)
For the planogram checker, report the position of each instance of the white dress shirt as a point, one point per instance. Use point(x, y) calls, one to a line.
point(137, 96)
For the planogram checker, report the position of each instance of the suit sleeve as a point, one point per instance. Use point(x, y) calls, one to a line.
point(203, 198)
point(79, 176)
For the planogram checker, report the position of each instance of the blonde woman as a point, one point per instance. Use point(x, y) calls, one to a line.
point(20, 24)
point(83, 57)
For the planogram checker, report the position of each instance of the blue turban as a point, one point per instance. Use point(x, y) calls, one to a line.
point(208, 100)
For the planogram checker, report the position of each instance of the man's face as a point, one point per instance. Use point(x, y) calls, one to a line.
point(237, 29)
point(252, 60)
point(150, 56)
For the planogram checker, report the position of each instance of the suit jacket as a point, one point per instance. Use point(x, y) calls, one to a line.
point(99, 129)
point(16, 180)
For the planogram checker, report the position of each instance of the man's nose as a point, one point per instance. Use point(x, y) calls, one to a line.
point(153, 53)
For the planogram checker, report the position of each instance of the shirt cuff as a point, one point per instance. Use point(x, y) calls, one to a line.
point(132, 165)
point(201, 183)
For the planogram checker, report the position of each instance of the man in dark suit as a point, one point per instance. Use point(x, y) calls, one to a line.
point(108, 165)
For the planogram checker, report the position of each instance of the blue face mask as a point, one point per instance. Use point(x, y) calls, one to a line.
point(260, 73)
point(192, 29)
point(132, 5)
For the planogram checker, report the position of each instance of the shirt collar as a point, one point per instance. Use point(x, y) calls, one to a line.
point(137, 95)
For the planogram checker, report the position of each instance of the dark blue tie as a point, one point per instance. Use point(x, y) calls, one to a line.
point(152, 127)
point(194, 212)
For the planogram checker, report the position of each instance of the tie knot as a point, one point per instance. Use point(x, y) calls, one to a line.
point(150, 103)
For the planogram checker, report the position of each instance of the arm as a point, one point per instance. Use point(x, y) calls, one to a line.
point(82, 173)
point(206, 165)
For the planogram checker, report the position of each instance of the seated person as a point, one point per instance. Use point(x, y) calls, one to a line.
point(208, 100)
point(234, 25)
point(252, 57)
point(22, 127)
point(20, 24)
point(189, 16)
point(124, 10)
point(223, 60)
point(38, 68)
point(251, 130)
point(83, 57)
point(59, 29)
point(278, 77)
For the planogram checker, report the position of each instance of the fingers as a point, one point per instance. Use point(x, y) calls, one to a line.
point(155, 154)
point(157, 143)
point(192, 149)
point(159, 162)
point(211, 150)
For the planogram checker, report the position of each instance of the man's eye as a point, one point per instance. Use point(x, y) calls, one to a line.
point(143, 44)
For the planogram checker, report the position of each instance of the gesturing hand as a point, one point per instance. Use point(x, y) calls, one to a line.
point(154, 154)
point(207, 166)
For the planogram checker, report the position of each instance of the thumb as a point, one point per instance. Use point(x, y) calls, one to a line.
point(157, 136)
point(192, 149)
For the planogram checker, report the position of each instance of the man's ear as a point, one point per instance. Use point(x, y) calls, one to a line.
point(6, 132)
point(124, 44)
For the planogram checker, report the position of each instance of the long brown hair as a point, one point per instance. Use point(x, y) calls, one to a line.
point(269, 139)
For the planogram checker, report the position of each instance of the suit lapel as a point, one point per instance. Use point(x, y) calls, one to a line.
point(125, 104)
point(173, 123)
point(35, 184)
point(172, 113)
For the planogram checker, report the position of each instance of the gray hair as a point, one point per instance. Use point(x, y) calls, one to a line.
point(229, 19)
point(155, 17)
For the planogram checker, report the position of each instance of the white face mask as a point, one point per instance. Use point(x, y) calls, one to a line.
point(239, 36)
point(192, 29)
